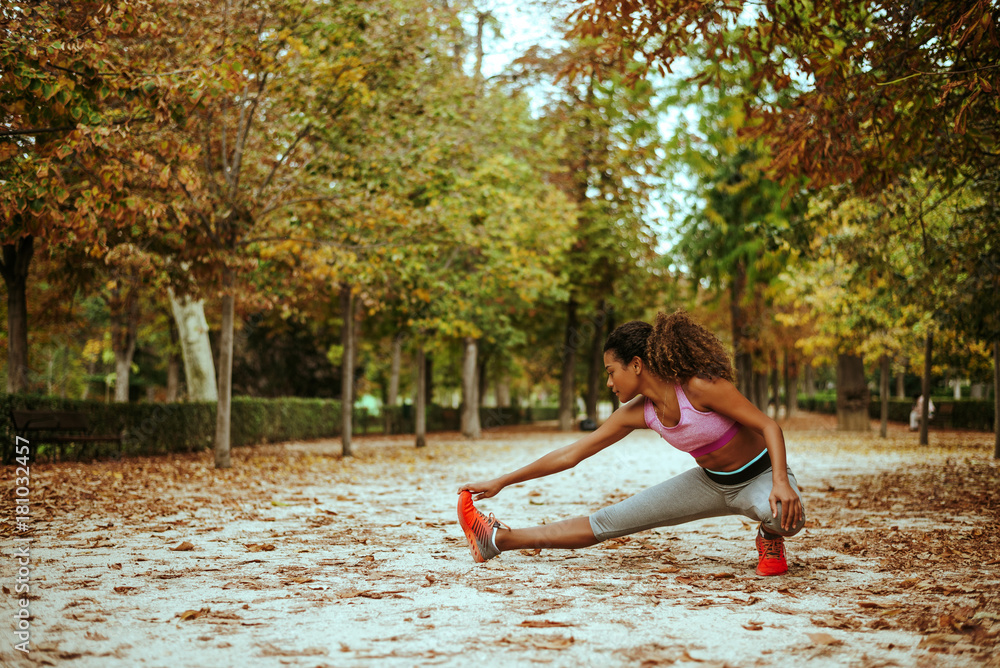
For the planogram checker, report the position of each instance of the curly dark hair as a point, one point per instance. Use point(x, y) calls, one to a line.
point(629, 341)
point(678, 348)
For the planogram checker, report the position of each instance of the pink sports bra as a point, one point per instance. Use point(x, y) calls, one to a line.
point(696, 433)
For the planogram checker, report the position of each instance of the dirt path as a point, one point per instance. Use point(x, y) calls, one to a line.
point(296, 557)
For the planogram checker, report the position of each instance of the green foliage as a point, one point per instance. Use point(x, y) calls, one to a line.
point(74, 96)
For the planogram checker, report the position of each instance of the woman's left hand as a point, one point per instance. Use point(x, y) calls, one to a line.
point(791, 505)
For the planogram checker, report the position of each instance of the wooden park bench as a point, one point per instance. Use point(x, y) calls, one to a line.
point(54, 427)
point(943, 415)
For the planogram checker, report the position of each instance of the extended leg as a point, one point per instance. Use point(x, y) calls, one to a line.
point(568, 534)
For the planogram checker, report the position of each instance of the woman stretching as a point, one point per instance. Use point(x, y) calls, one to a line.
point(676, 379)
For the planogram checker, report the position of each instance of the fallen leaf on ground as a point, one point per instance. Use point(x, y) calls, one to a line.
point(941, 639)
point(188, 615)
point(543, 623)
point(183, 547)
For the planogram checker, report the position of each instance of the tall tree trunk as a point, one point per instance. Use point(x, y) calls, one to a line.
point(810, 381)
point(397, 362)
point(775, 391)
point(470, 389)
point(123, 368)
point(760, 390)
point(420, 401)
point(567, 398)
point(14, 266)
point(901, 384)
point(996, 399)
point(925, 386)
point(791, 384)
point(223, 415)
point(883, 429)
point(91, 370)
point(610, 327)
point(596, 371)
point(125, 327)
point(173, 366)
point(852, 394)
point(196, 349)
point(482, 378)
point(503, 389)
point(347, 369)
point(742, 358)
point(173, 378)
point(392, 396)
point(428, 379)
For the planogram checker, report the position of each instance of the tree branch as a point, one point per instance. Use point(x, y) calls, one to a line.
point(242, 141)
point(284, 157)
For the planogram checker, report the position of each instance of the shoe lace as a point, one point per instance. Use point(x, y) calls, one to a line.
point(493, 522)
point(774, 548)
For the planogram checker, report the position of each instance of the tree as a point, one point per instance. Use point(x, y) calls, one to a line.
point(609, 168)
point(72, 95)
point(131, 272)
point(973, 258)
point(906, 85)
point(279, 71)
point(743, 228)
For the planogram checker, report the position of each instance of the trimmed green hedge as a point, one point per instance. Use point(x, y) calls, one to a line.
point(818, 404)
point(951, 414)
point(156, 428)
point(439, 418)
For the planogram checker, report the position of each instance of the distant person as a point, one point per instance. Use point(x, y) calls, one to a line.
point(675, 378)
point(917, 411)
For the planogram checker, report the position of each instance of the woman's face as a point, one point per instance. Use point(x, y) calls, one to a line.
point(622, 379)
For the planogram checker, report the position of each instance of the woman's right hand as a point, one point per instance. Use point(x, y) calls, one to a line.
point(482, 490)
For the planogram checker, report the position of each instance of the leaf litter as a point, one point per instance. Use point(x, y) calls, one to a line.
point(328, 561)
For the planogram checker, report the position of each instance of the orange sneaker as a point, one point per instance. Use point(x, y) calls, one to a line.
point(772, 555)
point(479, 529)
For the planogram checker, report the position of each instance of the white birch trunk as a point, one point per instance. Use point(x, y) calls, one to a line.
point(123, 367)
point(196, 349)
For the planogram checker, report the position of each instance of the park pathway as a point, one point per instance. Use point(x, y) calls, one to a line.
point(296, 557)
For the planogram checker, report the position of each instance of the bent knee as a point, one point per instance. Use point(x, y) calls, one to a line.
point(772, 525)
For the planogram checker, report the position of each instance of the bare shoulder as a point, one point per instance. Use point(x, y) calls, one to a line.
point(630, 414)
point(708, 392)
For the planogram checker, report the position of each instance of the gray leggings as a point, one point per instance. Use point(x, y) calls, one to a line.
point(691, 496)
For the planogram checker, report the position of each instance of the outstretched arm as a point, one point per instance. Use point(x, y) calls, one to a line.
point(619, 425)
